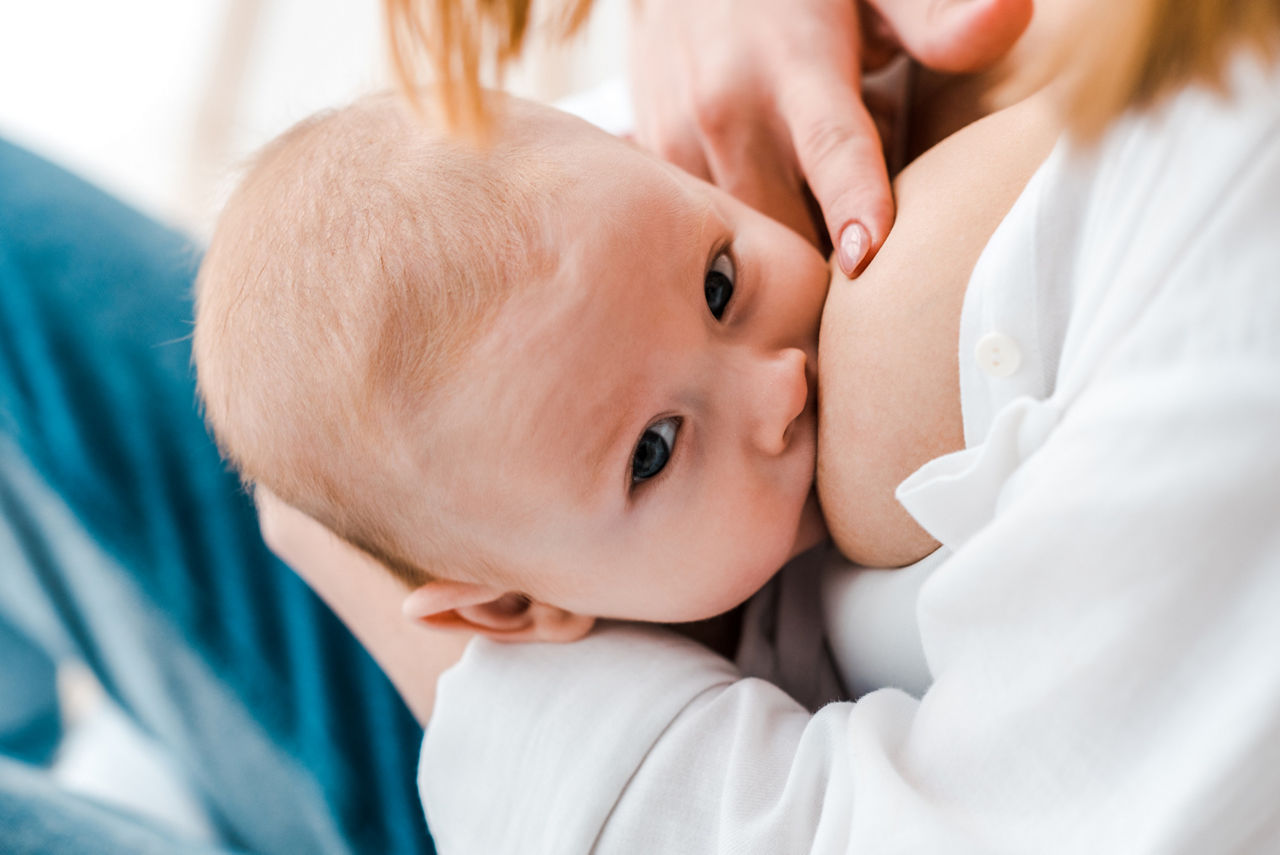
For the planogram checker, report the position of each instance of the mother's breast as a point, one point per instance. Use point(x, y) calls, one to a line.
point(888, 402)
point(889, 387)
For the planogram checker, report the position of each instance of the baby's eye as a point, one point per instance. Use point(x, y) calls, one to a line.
point(718, 286)
point(654, 449)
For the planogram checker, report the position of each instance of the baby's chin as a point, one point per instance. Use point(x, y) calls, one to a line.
point(810, 531)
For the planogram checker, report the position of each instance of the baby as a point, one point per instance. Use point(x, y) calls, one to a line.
point(544, 382)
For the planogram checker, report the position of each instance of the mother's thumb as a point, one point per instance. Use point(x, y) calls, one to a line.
point(956, 35)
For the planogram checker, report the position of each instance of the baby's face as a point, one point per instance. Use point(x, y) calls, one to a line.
point(634, 436)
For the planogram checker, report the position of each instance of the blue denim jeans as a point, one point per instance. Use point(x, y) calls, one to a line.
point(125, 542)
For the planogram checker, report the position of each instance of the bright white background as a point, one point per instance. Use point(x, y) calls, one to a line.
point(158, 100)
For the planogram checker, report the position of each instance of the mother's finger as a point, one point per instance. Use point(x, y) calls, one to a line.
point(756, 164)
point(840, 153)
point(685, 150)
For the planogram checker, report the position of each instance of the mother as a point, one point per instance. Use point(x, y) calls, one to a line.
point(1063, 651)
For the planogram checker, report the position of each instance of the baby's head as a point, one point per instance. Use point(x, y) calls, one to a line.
point(542, 382)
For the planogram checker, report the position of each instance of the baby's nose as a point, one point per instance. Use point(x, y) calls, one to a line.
point(779, 398)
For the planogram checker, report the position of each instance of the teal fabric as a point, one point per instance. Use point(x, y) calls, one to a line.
point(38, 818)
point(103, 444)
point(30, 725)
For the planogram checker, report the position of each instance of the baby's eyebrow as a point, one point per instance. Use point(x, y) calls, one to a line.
point(609, 423)
point(583, 425)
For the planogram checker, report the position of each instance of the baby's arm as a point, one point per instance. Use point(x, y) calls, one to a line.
point(890, 398)
point(366, 598)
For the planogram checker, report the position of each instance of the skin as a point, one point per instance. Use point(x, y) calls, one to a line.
point(366, 598)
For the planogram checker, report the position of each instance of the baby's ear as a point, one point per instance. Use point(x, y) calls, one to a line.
point(492, 612)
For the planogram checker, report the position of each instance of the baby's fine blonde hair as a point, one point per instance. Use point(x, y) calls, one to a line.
point(350, 270)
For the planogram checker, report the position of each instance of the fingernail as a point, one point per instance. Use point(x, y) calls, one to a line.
point(854, 242)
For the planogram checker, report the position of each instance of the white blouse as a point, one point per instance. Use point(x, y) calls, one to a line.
point(1101, 630)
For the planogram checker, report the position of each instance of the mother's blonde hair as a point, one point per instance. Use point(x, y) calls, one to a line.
point(459, 42)
point(1121, 56)
point(1116, 56)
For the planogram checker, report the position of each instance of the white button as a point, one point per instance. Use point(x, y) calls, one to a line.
point(997, 354)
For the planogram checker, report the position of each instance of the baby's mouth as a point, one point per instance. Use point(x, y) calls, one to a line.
point(812, 529)
point(811, 376)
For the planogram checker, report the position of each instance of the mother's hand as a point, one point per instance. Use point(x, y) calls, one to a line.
point(763, 96)
point(366, 597)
